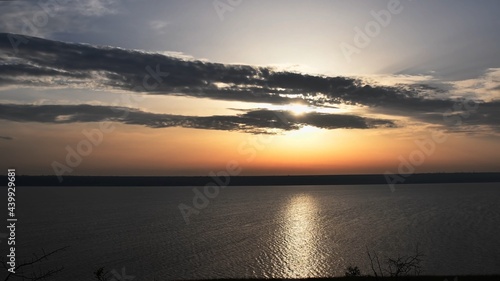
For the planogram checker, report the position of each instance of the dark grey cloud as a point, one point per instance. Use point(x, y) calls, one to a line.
point(47, 63)
point(465, 116)
point(6, 138)
point(76, 64)
point(254, 121)
point(485, 114)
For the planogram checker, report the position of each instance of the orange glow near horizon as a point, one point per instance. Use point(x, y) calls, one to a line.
point(137, 150)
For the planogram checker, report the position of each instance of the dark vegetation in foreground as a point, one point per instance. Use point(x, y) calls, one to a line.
point(252, 180)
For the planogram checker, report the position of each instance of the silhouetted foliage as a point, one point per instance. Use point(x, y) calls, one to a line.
point(101, 274)
point(352, 271)
point(395, 267)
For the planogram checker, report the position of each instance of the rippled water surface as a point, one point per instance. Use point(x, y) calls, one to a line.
point(287, 231)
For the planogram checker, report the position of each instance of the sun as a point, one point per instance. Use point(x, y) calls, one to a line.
point(297, 109)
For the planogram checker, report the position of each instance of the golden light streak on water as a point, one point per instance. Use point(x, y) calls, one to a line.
point(300, 237)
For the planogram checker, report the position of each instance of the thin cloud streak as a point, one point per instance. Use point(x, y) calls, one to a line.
point(261, 121)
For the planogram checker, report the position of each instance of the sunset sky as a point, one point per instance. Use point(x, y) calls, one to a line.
point(107, 87)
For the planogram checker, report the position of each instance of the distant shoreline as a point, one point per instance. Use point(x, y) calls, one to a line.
point(400, 278)
point(372, 179)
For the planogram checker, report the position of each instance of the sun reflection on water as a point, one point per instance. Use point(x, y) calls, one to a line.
point(300, 237)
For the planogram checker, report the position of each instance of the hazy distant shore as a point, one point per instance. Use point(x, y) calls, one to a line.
point(254, 180)
point(407, 278)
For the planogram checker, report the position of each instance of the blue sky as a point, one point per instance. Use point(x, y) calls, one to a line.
point(452, 39)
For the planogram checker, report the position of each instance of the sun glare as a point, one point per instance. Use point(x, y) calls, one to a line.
point(301, 109)
point(298, 109)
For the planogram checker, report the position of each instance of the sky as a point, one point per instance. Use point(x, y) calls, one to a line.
point(107, 87)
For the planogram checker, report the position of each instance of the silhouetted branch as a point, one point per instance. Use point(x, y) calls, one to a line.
point(34, 276)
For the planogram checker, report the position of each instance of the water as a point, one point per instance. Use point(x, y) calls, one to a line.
point(278, 232)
